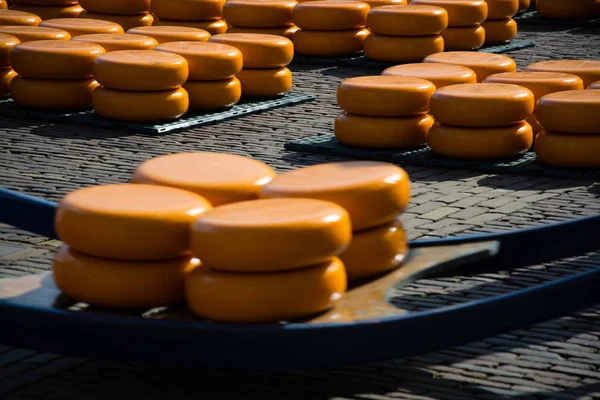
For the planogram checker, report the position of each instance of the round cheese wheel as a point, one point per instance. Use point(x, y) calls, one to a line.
point(483, 105)
point(571, 111)
point(265, 83)
point(558, 9)
point(483, 64)
point(82, 26)
point(53, 94)
point(259, 51)
point(595, 85)
point(259, 13)
point(3, 5)
point(566, 150)
point(372, 192)
point(524, 5)
point(467, 38)
point(207, 61)
point(129, 222)
point(213, 95)
point(218, 177)
point(6, 77)
point(382, 133)
point(500, 9)
point(50, 12)
point(120, 7)
point(30, 33)
point(499, 31)
point(460, 12)
point(285, 31)
point(122, 284)
point(125, 21)
point(540, 83)
point(165, 34)
point(330, 43)
point(118, 41)
point(587, 70)
point(119, 105)
point(213, 27)
point(188, 10)
point(385, 96)
point(327, 15)
point(14, 17)
point(402, 49)
point(403, 20)
point(7, 43)
point(439, 74)
point(46, 2)
point(380, 3)
point(266, 297)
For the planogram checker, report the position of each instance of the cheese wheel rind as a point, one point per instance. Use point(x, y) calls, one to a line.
point(500, 9)
point(120, 7)
point(408, 20)
point(259, 13)
point(125, 21)
point(326, 15)
point(499, 31)
point(483, 64)
point(259, 50)
point(53, 94)
point(265, 83)
point(50, 12)
point(464, 38)
point(14, 17)
point(188, 10)
point(460, 12)
point(381, 3)
point(540, 83)
point(439, 74)
point(213, 95)
point(572, 111)
point(594, 85)
point(118, 41)
point(330, 43)
point(587, 70)
point(285, 31)
point(215, 27)
point(165, 34)
point(30, 33)
point(7, 44)
point(83, 26)
point(6, 77)
point(568, 150)
point(402, 49)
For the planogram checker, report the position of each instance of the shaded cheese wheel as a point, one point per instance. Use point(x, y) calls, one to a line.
point(571, 111)
point(213, 95)
point(6, 77)
point(50, 12)
point(30, 33)
point(259, 13)
point(285, 31)
point(330, 43)
point(524, 5)
point(14, 17)
point(439, 74)
point(483, 105)
point(403, 20)
point(270, 234)
point(483, 64)
point(118, 41)
point(220, 178)
point(188, 10)
point(259, 50)
point(535, 125)
point(265, 83)
point(587, 70)
point(129, 7)
point(464, 38)
point(500, 9)
point(121, 284)
point(382, 133)
point(402, 49)
point(595, 85)
point(83, 26)
point(372, 192)
point(385, 96)
point(7, 44)
point(47, 94)
point(207, 61)
point(327, 15)
point(267, 297)
point(129, 222)
point(380, 3)
point(558, 9)
point(460, 12)
point(567, 150)
point(540, 83)
point(125, 21)
point(47, 2)
point(165, 34)
point(213, 27)
point(3, 5)
point(499, 31)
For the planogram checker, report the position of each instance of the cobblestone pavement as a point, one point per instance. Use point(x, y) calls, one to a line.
point(556, 359)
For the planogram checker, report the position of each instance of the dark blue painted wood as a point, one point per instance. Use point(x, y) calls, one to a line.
point(27, 212)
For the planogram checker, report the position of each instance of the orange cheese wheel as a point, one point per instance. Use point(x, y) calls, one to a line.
point(587, 70)
point(483, 105)
point(53, 94)
point(372, 192)
point(483, 64)
point(267, 297)
point(327, 15)
point(129, 222)
point(330, 43)
point(385, 96)
point(259, 13)
point(524, 5)
point(403, 20)
point(540, 83)
point(500, 9)
point(571, 111)
point(535, 125)
point(6, 77)
point(165, 34)
point(460, 12)
point(121, 284)
point(382, 133)
point(213, 27)
point(7, 44)
point(259, 51)
point(82, 26)
point(118, 41)
point(213, 95)
point(265, 83)
point(567, 150)
point(559, 9)
point(46, 2)
point(439, 74)
point(119, 105)
point(595, 85)
point(14, 17)
point(50, 12)
point(499, 31)
point(188, 10)
point(30, 33)
point(207, 61)
point(3, 5)
point(125, 21)
point(129, 7)
point(467, 38)
point(218, 177)
point(380, 3)
point(285, 31)
point(402, 49)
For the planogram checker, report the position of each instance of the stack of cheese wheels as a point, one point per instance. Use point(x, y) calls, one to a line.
point(48, 9)
point(119, 41)
point(273, 17)
point(126, 246)
point(439, 74)
point(483, 64)
point(165, 34)
point(212, 82)
point(464, 23)
point(265, 57)
point(405, 34)
point(330, 28)
point(500, 27)
point(587, 70)
point(140, 86)
point(373, 193)
point(384, 111)
point(7, 43)
point(81, 26)
point(14, 17)
point(200, 14)
point(31, 33)
point(571, 122)
point(128, 14)
point(481, 121)
point(54, 74)
point(574, 9)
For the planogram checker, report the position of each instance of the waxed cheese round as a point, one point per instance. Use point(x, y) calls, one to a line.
point(380, 3)
point(439, 74)
point(53, 94)
point(265, 83)
point(6, 77)
point(540, 83)
point(595, 85)
point(188, 10)
point(213, 95)
point(82, 26)
point(259, 13)
point(402, 49)
point(3, 5)
point(285, 31)
point(31, 33)
point(571, 111)
point(330, 43)
point(407, 20)
point(15, 17)
point(500, 9)
point(118, 41)
point(120, 7)
point(464, 38)
point(165, 34)
point(125, 21)
point(213, 27)
point(499, 31)
point(50, 12)
point(568, 150)
point(327, 15)
point(483, 64)
point(587, 70)
point(460, 12)
point(7, 44)
point(258, 50)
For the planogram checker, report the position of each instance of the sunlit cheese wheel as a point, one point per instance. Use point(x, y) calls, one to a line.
point(265, 83)
point(403, 20)
point(267, 297)
point(330, 43)
point(327, 15)
point(118, 41)
point(439, 74)
point(499, 31)
point(188, 10)
point(50, 12)
point(385, 96)
point(165, 34)
point(30, 33)
point(595, 85)
point(500, 9)
point(482, 104)
point(83, 26)
point(402, 49)
point(129, 7)
point(460, 12)
point(483, 64)
point(573, 9)
point(6, 77)
point(129, 222)
point(213, 27)
point(258, 50)
point(14, 17)
point(213, 95)
point(259, 13)
point(587, 70)
point(7, 44)
point(372, 192)
point(382, 133)
point(125, 21)
point(3, 5)
point(285, 31)
point(121, 284)
point(207, 61)
point(540, 83)
point(53, 94)
point(464, 38)
point(567, 150)
point(571, 111)
point(380, 3)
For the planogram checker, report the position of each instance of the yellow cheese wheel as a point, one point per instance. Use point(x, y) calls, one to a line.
point(7, 44)
point(265, 83)
point(30, 33)
point(267, 297)
point(165, 34)
point(380, 3)
point(566, 150)
point(6, 77)
point(220, 178)
point(50, 12)
point(3, 5)
point(207, 61)
point(382, 133)
point(540, 83)
point(285, 31)
point(480, 143)
point(14, 17)
point(460, 12)
point(385, 96)
point(402, 49)
point(372, 192)
point(439, 74)
point(574, 9)
point(587, 70)
point(213, 27)
point(499, 31)
point(82, 26)
point(129, 222)
point(188, 10)
point(571, 111)
point(46, 2)
point(483, 64)
point(125, 21)
point(595, 85)
point(464, 38)
point(213, 95)
point(129, 7)
point(258, 50)
point(53, 94)
point(403, 20)
point(121, 284)
point(327, 15)
point(500, 9)
point(330, 43)
point(482, 104)
point(118, 41)
point(259, 13)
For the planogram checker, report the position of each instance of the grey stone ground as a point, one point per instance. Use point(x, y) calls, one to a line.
point(556, 359)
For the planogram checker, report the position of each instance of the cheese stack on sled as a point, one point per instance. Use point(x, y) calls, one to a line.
point(273, 17)
point(500, 27)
